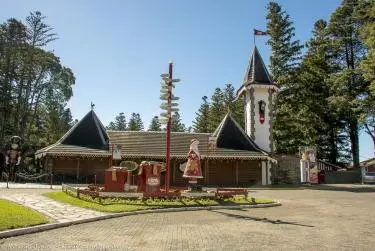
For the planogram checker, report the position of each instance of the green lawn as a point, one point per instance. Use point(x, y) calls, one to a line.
point(13, 215)
point(127, 205)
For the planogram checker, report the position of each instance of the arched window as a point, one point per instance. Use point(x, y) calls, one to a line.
point(262, 111)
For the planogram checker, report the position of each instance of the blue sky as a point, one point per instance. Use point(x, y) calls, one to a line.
point(118, 49)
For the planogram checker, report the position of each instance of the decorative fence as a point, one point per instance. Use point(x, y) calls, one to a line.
point(96, 192)
point(33, 177)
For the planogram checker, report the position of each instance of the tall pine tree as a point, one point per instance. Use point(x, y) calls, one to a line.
point(320, 124)
point(155, 124)
point(236, 107)
point(120, 122)
point(365, 12)
point(285, 51)
point(135, 122)
point(202, 117)
point(283, 65)
point(217, 110)
point(348, 84)
point(176, 124)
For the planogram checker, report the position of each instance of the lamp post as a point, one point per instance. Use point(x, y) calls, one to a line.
point(169, 107)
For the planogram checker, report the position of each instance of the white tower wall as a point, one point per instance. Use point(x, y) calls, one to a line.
point(260, 133)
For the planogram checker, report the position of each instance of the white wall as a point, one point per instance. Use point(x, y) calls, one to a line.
point(262, 132)
point(248, 112)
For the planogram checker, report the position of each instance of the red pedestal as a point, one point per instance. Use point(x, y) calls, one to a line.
point(116, 185)
point(149, 178)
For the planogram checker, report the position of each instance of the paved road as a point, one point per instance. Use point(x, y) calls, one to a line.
point(308, 220)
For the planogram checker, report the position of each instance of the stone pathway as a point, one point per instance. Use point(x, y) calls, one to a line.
point(28, 185)
point(59, 212)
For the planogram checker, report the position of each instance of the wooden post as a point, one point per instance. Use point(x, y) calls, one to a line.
point(237, 173)
point(77, 170)
point(174, 171)
point(207, 172)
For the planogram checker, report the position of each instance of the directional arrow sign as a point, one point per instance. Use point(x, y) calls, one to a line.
point(176, 80)
point(165, 115)
point(163, 120)
point(165, 97)
point(164, 85)
point(165, 106)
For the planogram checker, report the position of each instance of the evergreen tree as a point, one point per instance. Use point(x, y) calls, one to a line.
point(365, 12)
point(34, 86)
point(348, 85)
point(283, 65)
point(285, 52)
point(111, 126)
point(155, 124)
point(176, 124)
point(229, 97)
point(320, 123)
point(217, 110)
point(202, 117)
point(236, 107)
point(189, 129)
point(120, 122)
point(135, 122)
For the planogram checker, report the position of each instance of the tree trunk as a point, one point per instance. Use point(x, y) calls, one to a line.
point(333, 142)
point(354, 141)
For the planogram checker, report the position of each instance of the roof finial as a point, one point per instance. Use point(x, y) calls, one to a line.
point(92, 106)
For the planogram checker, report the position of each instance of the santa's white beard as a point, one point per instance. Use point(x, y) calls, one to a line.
point(194, 147)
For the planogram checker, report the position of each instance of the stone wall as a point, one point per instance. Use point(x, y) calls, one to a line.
point(287, 169)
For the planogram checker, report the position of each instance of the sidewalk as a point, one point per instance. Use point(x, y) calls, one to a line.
point(55, 210)
point(28, 185)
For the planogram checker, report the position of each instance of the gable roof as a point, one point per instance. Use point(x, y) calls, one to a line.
point(230, 135)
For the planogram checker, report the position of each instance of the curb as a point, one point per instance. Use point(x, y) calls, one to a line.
point(50, 226)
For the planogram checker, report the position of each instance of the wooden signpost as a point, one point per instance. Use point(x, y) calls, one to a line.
point(168, 107)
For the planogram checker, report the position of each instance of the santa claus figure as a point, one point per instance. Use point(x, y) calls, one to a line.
point(193, 169)
point(13, 155)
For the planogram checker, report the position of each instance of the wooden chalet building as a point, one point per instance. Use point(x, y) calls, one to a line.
point(84, 151)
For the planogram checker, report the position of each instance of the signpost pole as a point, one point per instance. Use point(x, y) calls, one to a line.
point(169, 128)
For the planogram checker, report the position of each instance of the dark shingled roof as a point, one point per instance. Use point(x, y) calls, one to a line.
point(230, 135)
point(143, 144)
point(256, 71)
point(88, 132)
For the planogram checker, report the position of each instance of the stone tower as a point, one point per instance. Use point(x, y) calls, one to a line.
point(259, 93)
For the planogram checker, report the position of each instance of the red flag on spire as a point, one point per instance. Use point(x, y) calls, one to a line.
point(259, 33)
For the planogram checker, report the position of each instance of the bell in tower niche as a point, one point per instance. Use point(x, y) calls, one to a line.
point(262, 111)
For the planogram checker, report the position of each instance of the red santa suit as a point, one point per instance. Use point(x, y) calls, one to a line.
point(193, 167)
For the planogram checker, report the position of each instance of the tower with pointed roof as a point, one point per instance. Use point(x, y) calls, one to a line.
point(259, 92)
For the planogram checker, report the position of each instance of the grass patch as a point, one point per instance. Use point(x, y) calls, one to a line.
point(13, 216)
point(116, 205)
